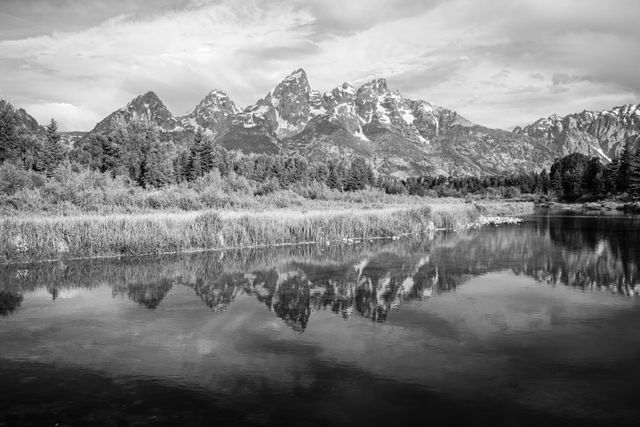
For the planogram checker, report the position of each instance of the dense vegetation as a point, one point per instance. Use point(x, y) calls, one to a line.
point(132, 168)
point(578, 177)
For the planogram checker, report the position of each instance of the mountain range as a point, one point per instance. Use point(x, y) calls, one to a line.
point(400, 136)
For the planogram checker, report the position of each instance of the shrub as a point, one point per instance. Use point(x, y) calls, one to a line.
point(12, 178)
point(269, 186)
point(234, 183)
point(511, 192)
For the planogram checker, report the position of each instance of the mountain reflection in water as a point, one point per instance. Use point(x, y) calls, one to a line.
point(534, 324)
point(369, 279)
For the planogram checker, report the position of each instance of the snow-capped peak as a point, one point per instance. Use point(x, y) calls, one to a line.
point(218, 100)
point(211, 113)
point(148, 100)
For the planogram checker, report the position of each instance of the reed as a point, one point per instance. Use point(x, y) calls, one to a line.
point(48, 238)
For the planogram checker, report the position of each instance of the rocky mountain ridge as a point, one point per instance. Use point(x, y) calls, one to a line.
point(400, 136)
point(601, 133)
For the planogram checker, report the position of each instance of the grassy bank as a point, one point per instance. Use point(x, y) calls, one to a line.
point(63, 237)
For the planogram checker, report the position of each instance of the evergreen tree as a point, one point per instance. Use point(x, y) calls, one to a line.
point(634, 172)
point(360, 175)
point(555, 183)
point(53, 149)
point(201, 157)
point(8, 132)
point(624, 168)
point(319, 172)
point(181, 166)
point(40, 158)
point(207, 154)
point(194, 167)
point(543, 182)
point(333, 181)
point(155, 172)
point(610, 176)
point(593, 177)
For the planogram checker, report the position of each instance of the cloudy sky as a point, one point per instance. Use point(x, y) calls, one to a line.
point(498, 62)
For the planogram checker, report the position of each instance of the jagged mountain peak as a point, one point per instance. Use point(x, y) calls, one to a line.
point(379, 86)
point(295, 81)
point(602, 133)
point(317, 104)
point(627, 113)
point(286, 109)
point(211, 114)
point(218, 99)
point(298, 74)
point(216, 94)
point(341, 93)
point(149, 97)
point(147, 106)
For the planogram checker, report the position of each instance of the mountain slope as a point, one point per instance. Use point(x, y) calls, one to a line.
point(144, 107)
point(600, 133)
point(211, 114)
point(25, 122)
point(400, 136)
point(283, 112)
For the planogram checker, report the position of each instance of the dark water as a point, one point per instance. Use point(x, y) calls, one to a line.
point(537, 324)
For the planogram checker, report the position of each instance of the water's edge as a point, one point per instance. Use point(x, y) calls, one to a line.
point(44, 240)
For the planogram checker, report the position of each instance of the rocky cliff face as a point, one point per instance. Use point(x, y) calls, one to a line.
point(211, 114)
point(283, 112)
point(398, 135)
point(26, 123)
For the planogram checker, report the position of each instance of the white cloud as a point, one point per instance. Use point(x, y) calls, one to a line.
point(493, 61)
point(68, 116)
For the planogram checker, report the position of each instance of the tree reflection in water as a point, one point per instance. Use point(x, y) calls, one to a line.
point(368, 279)
point(10, 300)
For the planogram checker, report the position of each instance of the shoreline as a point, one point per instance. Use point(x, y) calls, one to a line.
point(50, 239)
point(602, 206)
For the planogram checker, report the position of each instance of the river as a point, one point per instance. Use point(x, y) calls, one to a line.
point(530, 324)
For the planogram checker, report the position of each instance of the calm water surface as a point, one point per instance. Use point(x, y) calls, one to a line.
point(536, 324)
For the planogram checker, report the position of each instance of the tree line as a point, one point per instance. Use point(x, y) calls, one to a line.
point(579, 177)
point(135, 150)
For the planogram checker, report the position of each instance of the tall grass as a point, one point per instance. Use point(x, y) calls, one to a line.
point(38, 238)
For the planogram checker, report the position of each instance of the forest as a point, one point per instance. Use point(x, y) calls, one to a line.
point(132, 166)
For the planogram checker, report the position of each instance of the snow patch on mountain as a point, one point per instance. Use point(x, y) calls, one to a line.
point(407, 115)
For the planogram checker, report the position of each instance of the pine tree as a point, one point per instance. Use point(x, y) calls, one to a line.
point(556, 180)
point(360, 175)
point(156, 174)
point(543, 181)
point(180, 166)
point(333, 181)
point(8, 132)
point(624, 168)
point(592, 178)
point(200, 157)
point(40, 158)
point(207, 155)
point(610, 176)
point(634, 173)
point(194, 167)
point(54, 151)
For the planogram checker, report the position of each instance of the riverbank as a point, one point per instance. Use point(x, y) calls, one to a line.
point(40, 238)
point(601, 206)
